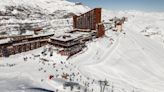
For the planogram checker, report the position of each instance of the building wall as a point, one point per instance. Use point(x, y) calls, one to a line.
point(87, 20)
point(90, 20)
point(101, 30)
point(23, 45)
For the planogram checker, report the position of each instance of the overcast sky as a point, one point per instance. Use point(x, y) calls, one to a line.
point(144, 5)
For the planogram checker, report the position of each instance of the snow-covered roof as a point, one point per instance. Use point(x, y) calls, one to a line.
point(81, 33)
point(66, 37)
point(4, 41)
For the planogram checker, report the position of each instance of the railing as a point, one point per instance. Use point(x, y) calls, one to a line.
point(66, 44)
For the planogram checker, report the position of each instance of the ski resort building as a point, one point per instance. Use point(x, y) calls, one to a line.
point(86, 27)
point(89, 22)
point(70, 44)
point(118, 23)
point(12, 46)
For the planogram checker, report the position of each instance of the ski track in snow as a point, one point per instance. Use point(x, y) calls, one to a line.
point(111, 63)
point(131, 62)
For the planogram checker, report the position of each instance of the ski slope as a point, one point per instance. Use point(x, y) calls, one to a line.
point(134, 62)
point(130, 62)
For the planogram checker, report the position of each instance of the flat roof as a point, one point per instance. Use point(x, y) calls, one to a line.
point(3, 41)
point(11, 36)
point(66, 37)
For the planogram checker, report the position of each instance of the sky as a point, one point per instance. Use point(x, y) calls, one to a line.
point(144, 5)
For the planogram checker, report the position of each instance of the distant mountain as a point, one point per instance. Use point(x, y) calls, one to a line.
point(26, 14)
point(38, 8)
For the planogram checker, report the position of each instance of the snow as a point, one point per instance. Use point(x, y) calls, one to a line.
point(49, 5)
point(47, 14)
point(68, 37)
point(4, 41)
point(129, 61)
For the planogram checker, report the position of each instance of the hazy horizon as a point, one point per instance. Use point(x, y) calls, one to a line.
point(142, 5)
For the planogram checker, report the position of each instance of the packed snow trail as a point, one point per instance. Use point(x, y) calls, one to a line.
point(92, 55)
point(136, 61)
point(129, 63)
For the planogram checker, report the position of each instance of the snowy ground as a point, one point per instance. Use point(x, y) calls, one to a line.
point(130, 62)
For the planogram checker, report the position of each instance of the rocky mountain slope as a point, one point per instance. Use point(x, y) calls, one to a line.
point(15, 14)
